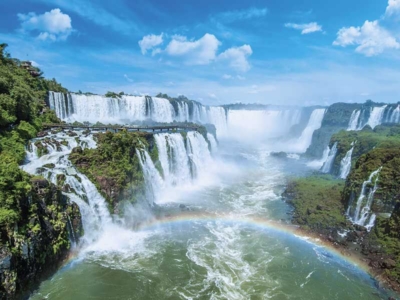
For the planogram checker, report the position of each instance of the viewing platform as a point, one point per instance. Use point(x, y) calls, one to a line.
point(116, 128)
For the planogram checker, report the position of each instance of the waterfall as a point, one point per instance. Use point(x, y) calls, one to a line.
point(173, 158)
point(318, 163)
point(305, 139)
point(127, 109)
point(181, 163)
point(376, 116)
point(256, 125)
point(395, 115)
point(216, 115)
point(154, 182)
point(345, 164)
point(213, 142)
point(198, 152)
point(327, 167)
point(354, 120)
point(76, 186)
point(362, 214)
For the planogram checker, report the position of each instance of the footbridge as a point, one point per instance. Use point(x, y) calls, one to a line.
point(116, 128)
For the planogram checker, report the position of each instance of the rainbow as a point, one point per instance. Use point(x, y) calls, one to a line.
point(258, 223)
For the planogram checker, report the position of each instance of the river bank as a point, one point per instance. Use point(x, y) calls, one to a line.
point(319, 211)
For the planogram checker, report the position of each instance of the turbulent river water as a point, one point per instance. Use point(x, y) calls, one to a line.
point(212, 240)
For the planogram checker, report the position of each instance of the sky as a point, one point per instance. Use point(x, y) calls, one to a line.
point(291, 52)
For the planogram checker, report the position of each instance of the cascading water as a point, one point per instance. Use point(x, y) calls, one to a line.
point(77, 187)
point(354, 120)
point(394, 117)
point(213, 143)
point(256, 125)
point(181, 162)
point(362, 215)
point(327, 167)
point(345, 164)
point(305, 139)
point(376, 116)
point(126, 109)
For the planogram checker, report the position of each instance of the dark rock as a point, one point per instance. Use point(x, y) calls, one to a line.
point(71, 133)
point(39, 183)
point(42, 134)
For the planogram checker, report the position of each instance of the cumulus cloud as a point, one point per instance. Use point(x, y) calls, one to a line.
point(236, 57)
point(53, 25)
point(195, 52)
point(149, 42)
point(202, 51)
point(393, 7)
point(305, 28)
point(371, 39)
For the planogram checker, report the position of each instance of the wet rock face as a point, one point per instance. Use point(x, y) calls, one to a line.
point(38, 243)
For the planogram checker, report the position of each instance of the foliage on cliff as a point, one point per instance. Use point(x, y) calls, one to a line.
point(383, 136)
point(114, 165)
point(317, 202)
point(33, 230)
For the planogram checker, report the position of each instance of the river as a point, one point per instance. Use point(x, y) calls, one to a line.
point(217, 239)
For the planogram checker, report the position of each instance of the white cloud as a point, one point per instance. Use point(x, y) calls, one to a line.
point(237, 15)
point(227, 76)
point(237, 57)
point(53, 25)
point(371, 38)
point(127, 78)
point(196, 52)
point(98, 15)
point(393, 7)
point(150, 41)
point(305, 28)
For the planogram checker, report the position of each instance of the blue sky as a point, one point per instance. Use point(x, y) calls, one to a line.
point(278, 51)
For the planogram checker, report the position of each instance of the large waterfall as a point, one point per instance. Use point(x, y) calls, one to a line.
point(361, 214)
point(327, 167)
point(244, 124)
point(374, 116)
point(304, 141)
point(345, 164)
point(127, 109)
point(181, 162)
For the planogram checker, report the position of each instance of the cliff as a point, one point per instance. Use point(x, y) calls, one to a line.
point(336, 118)
point(36, 221)
point(37, 225)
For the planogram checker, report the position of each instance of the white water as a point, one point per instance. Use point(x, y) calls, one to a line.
point(213, 143)
point(95, 215)
point(126, 109)
point(362, 214)
point(394, 117)
point(181, 163)
point(345, 164)
point(376, 116)
point(304, 141)
point(251, 126)
point(327, 167)
point(318, 164)
point(354, 120)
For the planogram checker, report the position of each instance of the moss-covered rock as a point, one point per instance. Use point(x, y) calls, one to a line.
point(114, 166)
point(35, 243)
point(317, 203)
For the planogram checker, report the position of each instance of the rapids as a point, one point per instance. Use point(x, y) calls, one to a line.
point(204, 231)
